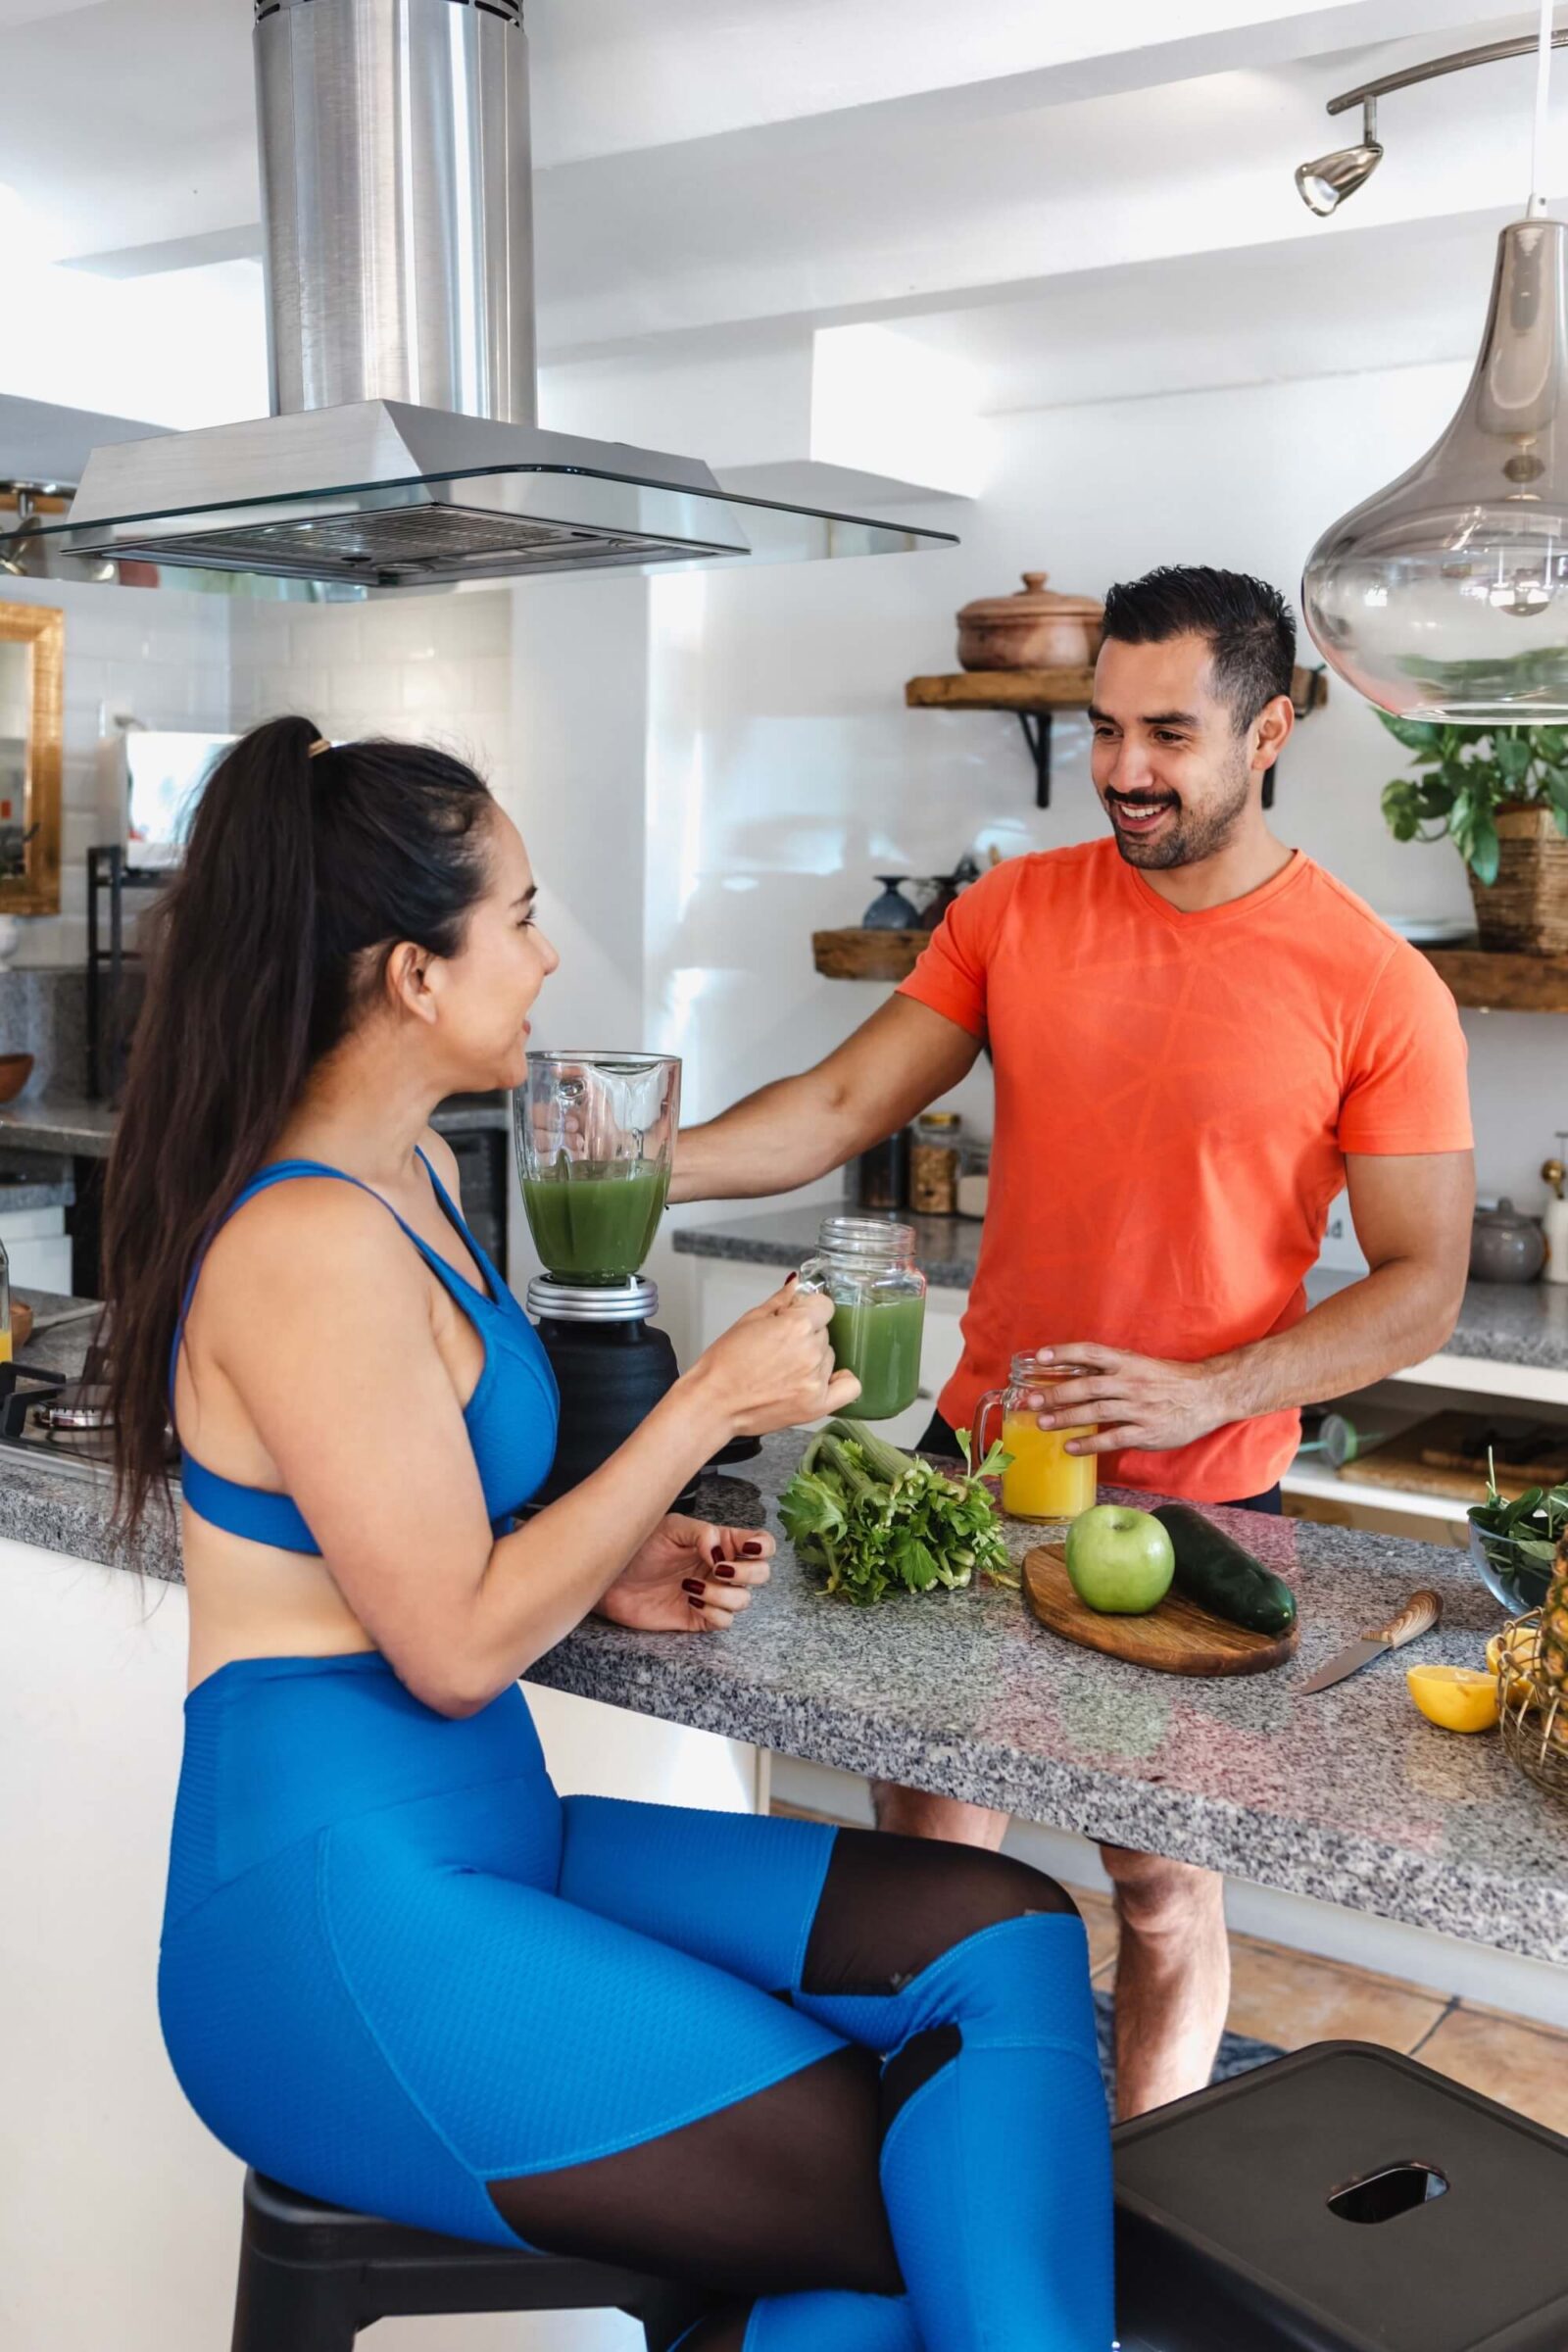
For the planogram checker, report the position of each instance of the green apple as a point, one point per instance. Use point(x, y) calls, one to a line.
point(1120, 1560)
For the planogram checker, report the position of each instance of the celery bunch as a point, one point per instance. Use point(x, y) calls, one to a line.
point(868, 1518)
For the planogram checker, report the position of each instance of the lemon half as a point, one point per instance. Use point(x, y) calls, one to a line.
point(1461, 1698)
point(1518, 1643)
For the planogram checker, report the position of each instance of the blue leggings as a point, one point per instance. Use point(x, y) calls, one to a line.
point(848, 2081)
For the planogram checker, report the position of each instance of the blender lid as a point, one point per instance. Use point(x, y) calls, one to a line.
point(593, 1301)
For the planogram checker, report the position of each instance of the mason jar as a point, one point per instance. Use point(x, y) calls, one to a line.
point(866, 1266)
point(1043, 1480)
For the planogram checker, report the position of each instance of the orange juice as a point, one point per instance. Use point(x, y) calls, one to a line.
point(1043, 1481)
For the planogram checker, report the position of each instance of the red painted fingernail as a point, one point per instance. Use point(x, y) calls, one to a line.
point(789, 1278)
point(690, 1584)
point(724, 1569)
point(751, 1551)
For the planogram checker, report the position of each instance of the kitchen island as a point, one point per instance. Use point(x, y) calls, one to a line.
point(1347, 1796)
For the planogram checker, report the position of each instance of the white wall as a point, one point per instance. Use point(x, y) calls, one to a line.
point(803, 775)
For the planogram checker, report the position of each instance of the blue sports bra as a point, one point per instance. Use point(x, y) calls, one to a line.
point(511, 1417)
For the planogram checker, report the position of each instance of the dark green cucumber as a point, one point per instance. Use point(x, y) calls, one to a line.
point(1222, 1577)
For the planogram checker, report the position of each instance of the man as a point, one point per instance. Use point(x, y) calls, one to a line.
point(1198, 1036)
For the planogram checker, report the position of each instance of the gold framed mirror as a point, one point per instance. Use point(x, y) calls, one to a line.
point(32, 647)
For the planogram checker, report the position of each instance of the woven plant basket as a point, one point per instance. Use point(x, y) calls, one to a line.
point(1525, 911)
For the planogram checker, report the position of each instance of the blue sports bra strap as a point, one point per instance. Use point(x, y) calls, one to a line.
point(278, 1173)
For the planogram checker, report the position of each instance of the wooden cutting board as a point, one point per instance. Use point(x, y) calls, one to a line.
point(1176, 1637)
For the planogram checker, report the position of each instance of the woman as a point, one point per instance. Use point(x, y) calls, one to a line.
point(398, 1972)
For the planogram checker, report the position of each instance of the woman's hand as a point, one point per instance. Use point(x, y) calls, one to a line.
point(689, 1578)
point(774, 1367)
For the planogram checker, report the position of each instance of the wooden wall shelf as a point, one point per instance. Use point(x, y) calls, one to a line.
point(862, 955)
point(1502, 983)
point(1490, 983)
point(1033, 696)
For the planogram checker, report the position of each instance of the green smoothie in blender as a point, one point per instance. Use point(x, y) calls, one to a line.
point(595, 1219)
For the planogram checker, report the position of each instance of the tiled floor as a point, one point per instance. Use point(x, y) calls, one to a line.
point(1291, 1999)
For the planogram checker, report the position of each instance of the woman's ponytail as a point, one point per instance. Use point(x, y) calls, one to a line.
point(300, 865)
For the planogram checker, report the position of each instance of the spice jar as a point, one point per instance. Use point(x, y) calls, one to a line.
point(866, 1266)
point(974, 1179)
point(933, 1163)
point(881, 1174)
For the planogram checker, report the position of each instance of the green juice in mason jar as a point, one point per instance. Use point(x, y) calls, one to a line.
point(866, 1266)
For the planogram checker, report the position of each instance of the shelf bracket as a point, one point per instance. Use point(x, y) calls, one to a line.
point(1036, 725)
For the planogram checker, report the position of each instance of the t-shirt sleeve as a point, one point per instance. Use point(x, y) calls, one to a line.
point(1406, 1089)
point(951, 974)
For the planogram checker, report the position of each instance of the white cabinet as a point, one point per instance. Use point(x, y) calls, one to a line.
point(38, 1247)
point(727, 1290)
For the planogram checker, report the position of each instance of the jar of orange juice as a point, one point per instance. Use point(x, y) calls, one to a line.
point(1042, 1480)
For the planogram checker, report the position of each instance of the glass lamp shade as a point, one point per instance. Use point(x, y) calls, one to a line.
point(1445, 596)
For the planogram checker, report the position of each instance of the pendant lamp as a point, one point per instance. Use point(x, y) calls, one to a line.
point(1446, 594)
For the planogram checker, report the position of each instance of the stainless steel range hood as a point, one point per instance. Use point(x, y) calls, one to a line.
point(403, 448)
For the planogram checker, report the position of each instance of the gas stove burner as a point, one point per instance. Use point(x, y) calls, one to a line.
point(76, 1420)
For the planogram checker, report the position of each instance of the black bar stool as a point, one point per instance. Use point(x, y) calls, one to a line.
point(312, 2275)
point(1343, 2199)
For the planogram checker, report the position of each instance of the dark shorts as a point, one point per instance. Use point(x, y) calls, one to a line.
point(939, 1438)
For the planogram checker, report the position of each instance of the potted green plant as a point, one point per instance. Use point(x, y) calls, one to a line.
point(1500, 795)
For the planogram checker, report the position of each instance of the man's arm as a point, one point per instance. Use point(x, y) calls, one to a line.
point(1412, 1218)
point(789, 1133)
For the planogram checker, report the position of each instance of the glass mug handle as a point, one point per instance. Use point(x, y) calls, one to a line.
point(812, 1275)
point(978, 1447)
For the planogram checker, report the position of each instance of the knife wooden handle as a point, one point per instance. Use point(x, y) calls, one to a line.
point(1419, 1615)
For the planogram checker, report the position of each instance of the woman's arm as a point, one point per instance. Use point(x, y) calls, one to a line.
point(375, 1451)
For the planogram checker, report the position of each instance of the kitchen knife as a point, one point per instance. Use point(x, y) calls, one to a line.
point(1419, 1615)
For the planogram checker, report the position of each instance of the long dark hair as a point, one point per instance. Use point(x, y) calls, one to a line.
point(304, 870)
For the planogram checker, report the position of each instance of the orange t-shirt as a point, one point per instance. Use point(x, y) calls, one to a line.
point(1175, 1095)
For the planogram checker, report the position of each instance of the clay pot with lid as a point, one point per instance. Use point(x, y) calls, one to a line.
point(1037, 628)
point(1506, 1246)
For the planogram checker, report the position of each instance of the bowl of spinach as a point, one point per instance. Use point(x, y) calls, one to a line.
point(1514, 1544)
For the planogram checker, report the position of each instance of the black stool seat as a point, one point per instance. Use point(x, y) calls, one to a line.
point(1343, 2199)
point(312, 2275)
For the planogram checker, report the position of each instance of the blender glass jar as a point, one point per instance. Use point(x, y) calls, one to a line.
point(596, 1142)
point(866, 1266)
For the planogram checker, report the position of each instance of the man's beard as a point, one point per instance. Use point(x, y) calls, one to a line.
point(1190, 836)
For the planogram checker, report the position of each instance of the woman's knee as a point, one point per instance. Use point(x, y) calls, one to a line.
point(891, 1906)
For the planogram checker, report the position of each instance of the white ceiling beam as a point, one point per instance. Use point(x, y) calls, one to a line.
point(899, 224)
point(618, 77)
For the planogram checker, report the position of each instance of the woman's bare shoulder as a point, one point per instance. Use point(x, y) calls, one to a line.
point(312, 1233)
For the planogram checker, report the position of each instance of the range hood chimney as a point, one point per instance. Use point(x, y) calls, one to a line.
point(404, 447)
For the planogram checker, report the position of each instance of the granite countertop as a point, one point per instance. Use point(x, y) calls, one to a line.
point(1347, 1796)
point(1499, 1322)
point(86, 1130)
point(58, 1123)
point(19, 1191)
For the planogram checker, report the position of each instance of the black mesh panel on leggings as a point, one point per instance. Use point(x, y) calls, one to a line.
point(764, 2197)
point(892, 1905)
point(780, 2191)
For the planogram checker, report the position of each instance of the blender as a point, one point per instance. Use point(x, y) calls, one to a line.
point(596, 1142)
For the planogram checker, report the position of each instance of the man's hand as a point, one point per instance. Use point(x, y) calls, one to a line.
point(1142, 1402)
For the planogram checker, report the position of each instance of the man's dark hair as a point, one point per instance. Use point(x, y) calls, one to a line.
point(1249, 624)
